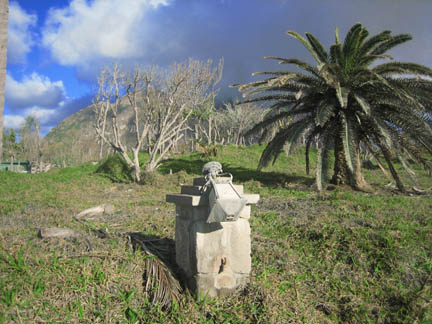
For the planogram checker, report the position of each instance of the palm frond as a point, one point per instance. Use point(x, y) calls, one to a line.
point(272, 119)
point(324, 112)
point(402, 68)
point(373, 42)
point(286, 135)
point(351, 39)
point(337, 54)
point(287, 99)
point(408, 170)
point(299, 63)
point(342, 95)
point(306, 44)
point(362, 103)
point(318, 48)
point(367, 60)
point(390, 43)
point(310, 137)
point(387, 156)
point(248, 85)
point(160, 283)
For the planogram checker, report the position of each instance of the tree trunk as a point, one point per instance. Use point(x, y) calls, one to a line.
point(359, 182)
point(137, 168)
point(210, 130)
point(340, 175)
point(4, 15)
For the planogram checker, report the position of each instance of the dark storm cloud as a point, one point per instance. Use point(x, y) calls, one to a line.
point(243, 32)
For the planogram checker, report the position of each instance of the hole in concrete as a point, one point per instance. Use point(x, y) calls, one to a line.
point(221, 267)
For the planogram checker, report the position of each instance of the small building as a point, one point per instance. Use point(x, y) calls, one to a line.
point(16, 166)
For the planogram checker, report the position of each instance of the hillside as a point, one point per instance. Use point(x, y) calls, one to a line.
point(344, 257)
point(74, 139)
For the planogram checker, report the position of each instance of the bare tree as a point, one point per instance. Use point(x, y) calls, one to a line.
point(160, 102)
point(30, 139)
point(233, 121)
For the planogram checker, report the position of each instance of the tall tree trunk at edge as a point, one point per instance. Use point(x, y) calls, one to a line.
point(4, 15)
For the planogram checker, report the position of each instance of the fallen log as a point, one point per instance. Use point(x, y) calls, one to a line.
point(58, 232)
point(94, 211)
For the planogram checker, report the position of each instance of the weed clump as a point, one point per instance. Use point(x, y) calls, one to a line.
point(149, 178)
point(116, 169)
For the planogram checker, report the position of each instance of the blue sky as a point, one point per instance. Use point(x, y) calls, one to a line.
point(57, 48)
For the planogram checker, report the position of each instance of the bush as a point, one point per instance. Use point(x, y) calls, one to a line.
point(148, 178)
point(115, 168)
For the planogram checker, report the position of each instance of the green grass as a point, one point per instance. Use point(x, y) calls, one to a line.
point(343, 257)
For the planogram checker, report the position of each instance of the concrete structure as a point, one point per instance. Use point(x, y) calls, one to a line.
point(215, 256)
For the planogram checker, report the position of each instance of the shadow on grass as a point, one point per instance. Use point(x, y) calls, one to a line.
point(193, 166)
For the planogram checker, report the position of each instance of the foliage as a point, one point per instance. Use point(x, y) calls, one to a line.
point(10, 146)
point(115, 168)
point(349, 103)
point(160, 101)
point(29, 133)
point(207, 151)
point(234, 120)
point(349, 256)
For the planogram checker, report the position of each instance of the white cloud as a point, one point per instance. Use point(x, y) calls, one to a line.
point(13, 121)
point(47, 117)
point(33, 90)
point(44, 116)
point(20, 37)
point(85, 32)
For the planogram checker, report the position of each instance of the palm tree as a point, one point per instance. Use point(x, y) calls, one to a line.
point(4, 15)
point(350, 103)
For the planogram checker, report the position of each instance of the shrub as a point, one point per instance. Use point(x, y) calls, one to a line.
point(115, 168)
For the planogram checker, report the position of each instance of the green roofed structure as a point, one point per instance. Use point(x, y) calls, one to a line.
point(16, 166)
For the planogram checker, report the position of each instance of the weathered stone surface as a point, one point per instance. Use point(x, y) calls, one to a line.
point(199, 213)
point(187, 200)
point(183, 247)
point(219, 285)
point(251, 199)
point(216, 257)
point(217, 243)
point(193, 200)
point(196, 190)
point(240, 246)
point(245, 213)
point(190, 190)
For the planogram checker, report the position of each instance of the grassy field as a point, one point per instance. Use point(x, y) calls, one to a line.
point(343, 257)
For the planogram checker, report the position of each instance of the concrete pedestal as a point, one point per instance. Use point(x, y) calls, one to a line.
point(216, 257)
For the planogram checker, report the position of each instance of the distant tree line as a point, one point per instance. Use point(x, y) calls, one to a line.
point(26, 145)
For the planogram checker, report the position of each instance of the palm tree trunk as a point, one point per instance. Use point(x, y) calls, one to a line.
point(4, 15)
point(340, 175)
point(358, 181)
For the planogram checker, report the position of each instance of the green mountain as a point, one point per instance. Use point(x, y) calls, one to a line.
point(74, 140)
